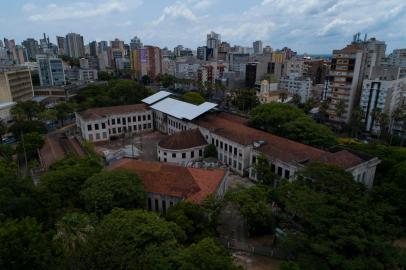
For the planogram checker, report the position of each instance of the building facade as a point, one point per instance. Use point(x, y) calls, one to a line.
point(15, 84)
point(51, 71)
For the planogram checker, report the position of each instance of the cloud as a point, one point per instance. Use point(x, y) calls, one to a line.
point(82, 10)
point(29, 7)
point(178, 10)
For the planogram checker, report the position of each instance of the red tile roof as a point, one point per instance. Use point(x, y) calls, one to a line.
point(183, 140)
point(95, 113)
point(235, 128)
point(192, 184)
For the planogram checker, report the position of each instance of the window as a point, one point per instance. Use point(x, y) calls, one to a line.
point(118, 121)
point(200, 152)
point(129, 119)
point(183, 155)
point(90, 137)
point(280, 171)
point(149, 117)
point(221, 145)
point(130, 128)
point(239, 166)
point(96, 126)
point(113, 121)
point(273, 168)
point(254, 159)
point(156, 205)
point(89, 127)
point(103, 125)
point(149, 125)
point(135, 127)
point(170, 203)
point(124, 121)
point(234, 164)
point(192, 154)
point(287, 174)
point(173, 155)
point(164, 206)
point(144, 117)
point(235, 151)
point(225, 147)
point(134, 119)
point(119, 130)
point(165, 154)
point(149, 204)
point(139, 117)
point(114, 130)
point(217, 143)
point(164, 159)
point(97, 136)
point(145, 126)
point(104, 135)
point(212, 141)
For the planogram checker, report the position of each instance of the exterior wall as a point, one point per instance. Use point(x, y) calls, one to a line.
point(182, 156)
point(114, 126)
point(160, 202)
point(16, 85)
point(160, 121)
point(175, 125)
point(365, 172)
point(297, 86)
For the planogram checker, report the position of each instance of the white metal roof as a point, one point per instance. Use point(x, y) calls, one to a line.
point(6, 105)
point(181, 109)
point(156, 97)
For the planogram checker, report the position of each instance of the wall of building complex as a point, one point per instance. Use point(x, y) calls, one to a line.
point(182, 156)
point(115, 125)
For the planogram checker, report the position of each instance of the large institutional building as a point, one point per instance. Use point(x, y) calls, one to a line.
point(237, 144)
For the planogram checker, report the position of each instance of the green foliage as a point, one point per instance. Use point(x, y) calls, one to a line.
point(193, 220)
point(30, 143)
point(131, 240)
point(6, 153)
point(28, 127)
point(264, 171)
point(210, 151)
point(205, 255)
point(291, 122)
point(273, 116)
point(332, 223)
point(289, 265)
point(109, 189)
point(146, 80)
point(193, 97)
point(245, 99)
point(255, 206)
point(17, 195)
point(26, 110)
point(307, 131)
point(117, 92)
point(104, 76)
point(23, 245)
point(63, 110)
point(72, 61)
point(167, 81)
point(59, 188)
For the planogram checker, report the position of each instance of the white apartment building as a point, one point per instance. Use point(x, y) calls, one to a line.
point(88, 75)
point(297, 86)
point(385, 91)
point(103, 124)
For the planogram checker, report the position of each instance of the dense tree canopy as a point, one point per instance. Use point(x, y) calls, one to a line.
point(193, 97)
point(109, 189)
point(245, 99)
point(332, 223)
point(291, 122)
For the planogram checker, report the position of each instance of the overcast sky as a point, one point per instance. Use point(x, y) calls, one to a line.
point(312, 26)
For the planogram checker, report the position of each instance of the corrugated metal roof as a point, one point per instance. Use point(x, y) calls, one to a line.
point(182, 110)
point(156, 97)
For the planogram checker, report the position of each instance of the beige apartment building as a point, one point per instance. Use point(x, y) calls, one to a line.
point(15, 84)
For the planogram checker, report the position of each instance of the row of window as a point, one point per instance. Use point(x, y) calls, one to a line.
point(130, 128)
point(129, 119)
point(183, 155)
point(176, 124)
point(156, 205)
point(226, 147)
point(98, 136)
point(230, 161)
point(275, 169)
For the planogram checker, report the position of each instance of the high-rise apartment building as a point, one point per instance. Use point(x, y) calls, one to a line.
point(93, 50)
point(374, 54)
point(60, 41)
point(345, 79)
point(74, 45)
point(32, 47)
point(213, 40)
point(15, 84)
point(135, 43)
point(51, 71)
point(257, 47)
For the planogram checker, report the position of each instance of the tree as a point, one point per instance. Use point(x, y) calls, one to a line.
point(30, 143)
point(289, 265)
point(273, 116)
point(283, 96)
point(26, 110)
point(210, 151)
point(193, 97)
point(245, 99)
point(25, 127)
point(357, 121)
point(24, 245)
point(255, 205)
point(296, 99)
point(146, 80)
point(131, 240)
point(307, 131)
point(73, 230)
point(109, 189)
point(206, 255)
point(48, 115)
point(6, 153)
point(264, 173)
point(397, 115)
point(324, 106)
point(3, 130)
point(104, 76)
point(339, 108)
point(192, 219)
point(331, 222)
point(63, 110)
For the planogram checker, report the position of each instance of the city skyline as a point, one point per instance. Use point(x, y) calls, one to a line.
point(317, 28)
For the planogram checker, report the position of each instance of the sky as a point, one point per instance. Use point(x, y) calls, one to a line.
point(307, 26)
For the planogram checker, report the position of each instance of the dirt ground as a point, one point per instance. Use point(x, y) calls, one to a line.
point(254, 262)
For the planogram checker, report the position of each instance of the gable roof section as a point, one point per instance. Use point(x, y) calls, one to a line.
point(183, 140)
point(156, 97)
point(181, 109)
point(96, 113)
point(192, 184)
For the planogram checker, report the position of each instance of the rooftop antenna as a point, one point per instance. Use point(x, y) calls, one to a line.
point(365, 37)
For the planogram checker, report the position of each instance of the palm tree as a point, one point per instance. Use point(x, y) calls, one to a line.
point(73, 230)
point(324, 105)
point(283, 96)
point(357, 119)
point(396, 116)
point(339, 110)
